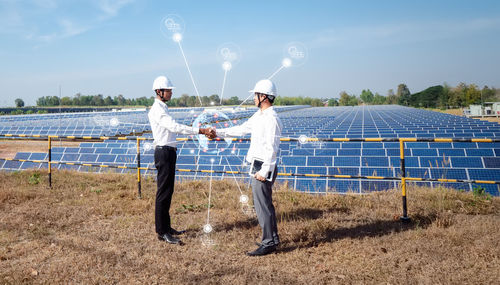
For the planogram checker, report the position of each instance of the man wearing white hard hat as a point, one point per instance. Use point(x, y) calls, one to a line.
point(165, 131)
point(265, 129)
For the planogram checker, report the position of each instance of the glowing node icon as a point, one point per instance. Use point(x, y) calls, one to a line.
point(207, 228)
point(177, 37)
point(148, 146)
point(303, 139)
point(287, 62)
point(243, 199)
point(207, 241)
point(114, 122)
point(227, 65)
point(228, 52)
point(248, 210)
point(172, 24)
point(294, 53)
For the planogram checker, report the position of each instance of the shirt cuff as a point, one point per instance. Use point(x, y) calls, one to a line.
point(264, 171)
point(220, 132)
point(196, 130)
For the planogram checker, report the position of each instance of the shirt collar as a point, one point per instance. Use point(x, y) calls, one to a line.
point(160, 102)
point(268, 110)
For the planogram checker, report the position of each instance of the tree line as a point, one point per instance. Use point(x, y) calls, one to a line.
point(440, 96)
point(183, 101)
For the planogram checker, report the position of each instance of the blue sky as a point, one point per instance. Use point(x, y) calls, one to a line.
point(113, 47)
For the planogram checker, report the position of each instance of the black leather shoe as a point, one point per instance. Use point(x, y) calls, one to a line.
point(262, 250)
point(169, 238)
point(174, 232)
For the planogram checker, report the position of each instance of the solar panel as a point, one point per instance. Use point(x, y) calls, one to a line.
point(492, 162)
point(421, 158)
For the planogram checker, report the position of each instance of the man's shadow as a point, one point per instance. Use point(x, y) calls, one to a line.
point(375, 228)
point(294, 215)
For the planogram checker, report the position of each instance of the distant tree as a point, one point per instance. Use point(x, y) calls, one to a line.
point(444, 96)
point(215, 99)
point(344, 99)
point(428, 98)
point(367, 96)
point(457, 95)
point(232, 101)
point(348, 100)
point(353, 100)
point(66, 101)
point(490, 94)
point(391, 98)
point(19, 103)
point(472, 95)
point(379, 99)
point(108, 101)
point(403, 94)
point(333, 102)
point(120, 100)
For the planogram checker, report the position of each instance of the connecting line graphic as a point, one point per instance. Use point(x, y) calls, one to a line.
point(190, 74)
point(245, 100)
point(223, 85)
point(207, 228)
point(235, 180)
point(276, 72)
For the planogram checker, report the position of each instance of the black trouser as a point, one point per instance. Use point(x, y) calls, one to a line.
point(165, 158)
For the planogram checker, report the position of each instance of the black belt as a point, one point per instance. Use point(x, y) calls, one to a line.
point(166, 147)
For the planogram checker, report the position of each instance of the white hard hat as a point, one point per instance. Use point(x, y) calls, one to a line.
point(265, 86)
point(162, 82)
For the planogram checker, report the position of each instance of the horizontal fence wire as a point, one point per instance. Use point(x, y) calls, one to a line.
point(337, 176)
point(486, 140)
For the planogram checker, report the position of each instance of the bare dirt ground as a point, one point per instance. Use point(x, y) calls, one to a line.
point(93, 229)
point(459, 112)
point(9, 148)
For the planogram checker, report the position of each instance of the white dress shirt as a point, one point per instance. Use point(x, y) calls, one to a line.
point(265, 128)
point(164, 127)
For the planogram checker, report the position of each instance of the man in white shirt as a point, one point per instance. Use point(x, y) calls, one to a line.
point(265, 129)
point(165, 131)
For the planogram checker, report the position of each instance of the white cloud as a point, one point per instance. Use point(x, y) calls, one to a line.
point(112, 7)
point(395, 33)
point(45, 21)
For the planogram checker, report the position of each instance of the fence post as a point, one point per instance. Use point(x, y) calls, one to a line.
point(405, 217)
point(139, 168)
point(50, 160)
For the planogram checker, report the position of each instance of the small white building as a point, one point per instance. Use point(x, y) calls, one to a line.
point(488, 109)
point(476, 110)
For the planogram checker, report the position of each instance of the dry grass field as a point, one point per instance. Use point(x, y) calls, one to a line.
point(92, 229)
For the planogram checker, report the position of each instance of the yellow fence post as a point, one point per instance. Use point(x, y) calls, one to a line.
point(405, 217)
point(139, 167)
point(50, 159)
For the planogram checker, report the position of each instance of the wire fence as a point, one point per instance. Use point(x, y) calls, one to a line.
point(403, 179)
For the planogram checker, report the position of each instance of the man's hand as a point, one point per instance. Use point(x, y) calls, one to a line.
point(258, 177)
point(208, 132)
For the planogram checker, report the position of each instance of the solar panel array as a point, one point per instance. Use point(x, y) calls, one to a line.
point(457, 160)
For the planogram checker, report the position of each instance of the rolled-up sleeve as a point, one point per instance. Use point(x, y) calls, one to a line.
point(166, 121)
point(236, 131)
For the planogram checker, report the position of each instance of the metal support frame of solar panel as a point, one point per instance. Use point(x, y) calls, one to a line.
point(343, 121)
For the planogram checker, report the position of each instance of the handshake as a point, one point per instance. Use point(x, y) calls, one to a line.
point(208, 132)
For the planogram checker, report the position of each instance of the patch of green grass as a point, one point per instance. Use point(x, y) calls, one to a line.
point(34, 178)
